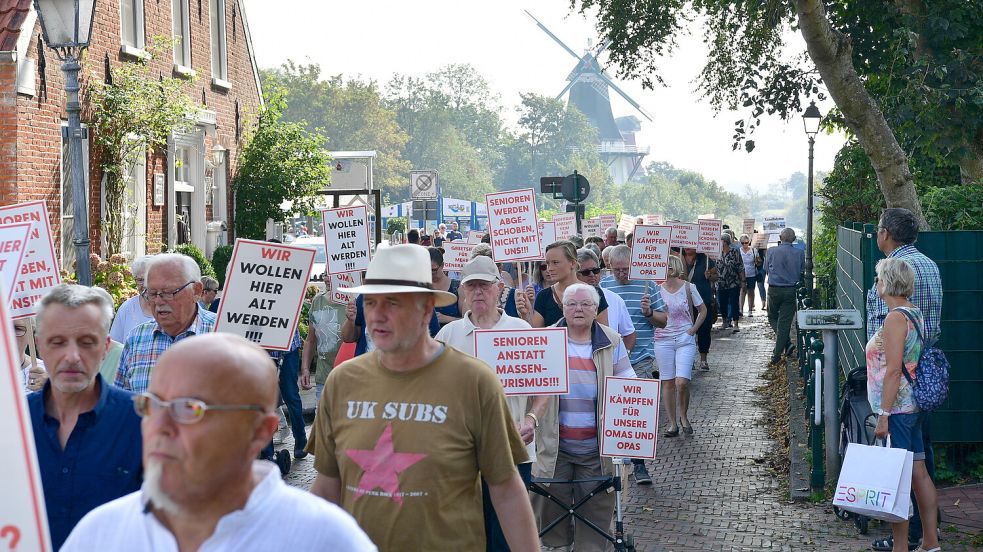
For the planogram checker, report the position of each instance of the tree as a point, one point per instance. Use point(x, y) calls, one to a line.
point(133, 112)
point(280, 162)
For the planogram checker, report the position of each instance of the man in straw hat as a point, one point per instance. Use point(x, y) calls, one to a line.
point(402, 432)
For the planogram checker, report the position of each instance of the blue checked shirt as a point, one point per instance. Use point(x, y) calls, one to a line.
point(632, 293)
point(294, 345)
point(927, 297)
point(146, 343)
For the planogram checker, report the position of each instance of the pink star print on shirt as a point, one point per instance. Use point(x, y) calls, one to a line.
point(382, 465)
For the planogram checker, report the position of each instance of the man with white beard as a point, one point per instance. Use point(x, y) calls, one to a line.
point(85, 431)
point(207, 413)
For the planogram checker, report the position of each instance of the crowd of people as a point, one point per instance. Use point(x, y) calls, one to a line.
point(151, 429)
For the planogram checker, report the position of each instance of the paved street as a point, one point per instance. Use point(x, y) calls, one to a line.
point(712, 490)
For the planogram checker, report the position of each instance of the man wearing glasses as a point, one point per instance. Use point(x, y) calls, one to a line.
point(172, 288)
point(85, 431)
point(203, 488)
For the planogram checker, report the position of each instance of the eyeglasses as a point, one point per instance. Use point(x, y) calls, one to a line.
point(184, 410)
point(588, 271)
point(165, 295)
point(209, 290)
point(625, 269)
point(573, 305)
point(20, 331)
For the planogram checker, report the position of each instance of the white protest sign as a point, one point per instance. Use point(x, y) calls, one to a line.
point(39, 268)
point(759, 241)
point(346, 238)
point(631, 417)
point(626, 224)
point(774, 224)
point(264, 292)
point(607, 221)
point(23, 523)
point(710, 230)
point(748, 226)
point(342, 280)
point(592, 227)
point(650, 253)
point(653, 220)
point(474, 237)
point(527, 362)
point(685, 235)
point(565, 224)
point(705, 216)
point(512, 224)
point(456, 255)
point(547, 236)
point(13, 245)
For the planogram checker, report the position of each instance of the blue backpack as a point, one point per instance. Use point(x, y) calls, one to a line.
point(932, 387)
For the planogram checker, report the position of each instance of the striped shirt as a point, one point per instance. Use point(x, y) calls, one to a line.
point(578, 408)
point(632, 293)
point(295, 344)
point(927, 296)
point(146, 343)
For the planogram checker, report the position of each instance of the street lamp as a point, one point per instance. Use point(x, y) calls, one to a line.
point(810, 120)
point(67, 27)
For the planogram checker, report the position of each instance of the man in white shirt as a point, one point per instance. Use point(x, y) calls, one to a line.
point(207, 413)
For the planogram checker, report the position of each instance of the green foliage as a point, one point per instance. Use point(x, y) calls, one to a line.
point(281, 162)
point(191, 250)
point(681, 195)
point(136, 112)
point(395, 224)
point(220, 262)
point(954, 207)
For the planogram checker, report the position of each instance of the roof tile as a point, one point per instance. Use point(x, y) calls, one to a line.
point(12, 15)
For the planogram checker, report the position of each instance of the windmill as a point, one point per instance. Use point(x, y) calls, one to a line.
point(589, 89)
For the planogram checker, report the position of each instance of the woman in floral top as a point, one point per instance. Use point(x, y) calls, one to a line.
point(890, 395)
point(731, 283)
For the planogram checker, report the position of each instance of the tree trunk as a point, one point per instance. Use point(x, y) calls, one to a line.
point(115, 189)
point(832, 53)
point(971, 166)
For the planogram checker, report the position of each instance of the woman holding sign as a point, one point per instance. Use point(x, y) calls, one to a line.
point(442, 282)
point(561, 269)
point(675, 345)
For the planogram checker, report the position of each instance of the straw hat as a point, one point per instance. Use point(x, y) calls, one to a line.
point(401, 269)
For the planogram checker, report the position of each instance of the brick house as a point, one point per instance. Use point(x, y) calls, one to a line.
point(173, 196)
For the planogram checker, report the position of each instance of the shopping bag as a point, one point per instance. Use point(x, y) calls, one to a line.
point(875, 482)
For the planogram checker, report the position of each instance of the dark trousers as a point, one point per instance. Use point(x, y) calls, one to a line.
point(781, 312)
point(290, 392)
point(494, 537)
point(729, 301)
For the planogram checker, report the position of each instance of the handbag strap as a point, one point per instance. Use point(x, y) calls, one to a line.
point(904, 369)
point(689, 301)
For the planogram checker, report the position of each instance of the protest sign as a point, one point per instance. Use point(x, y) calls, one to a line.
point(346, 238)
point(759, 240)
point(527, 362)
point(474, 237)
point(748, 226)
point(607, 221)
point(565, 224)
point(631, 417)
point(512, 225)
point(591, 227)
point(13, 244)
point(456, 255)
point(706, 216)
point(650, 253)
point(547, 236)
point(39, 268)
point(626, 224)
point(23, 523)
point(653, 220)
point(343, 280)
point(774, 224)
point(710, 230)
point(264, 292)
point(685, 234)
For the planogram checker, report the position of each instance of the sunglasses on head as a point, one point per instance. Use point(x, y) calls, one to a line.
point(589, 271)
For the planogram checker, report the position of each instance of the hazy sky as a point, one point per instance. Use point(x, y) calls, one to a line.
point(376, 38)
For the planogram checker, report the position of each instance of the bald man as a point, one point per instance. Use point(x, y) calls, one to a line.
point(208, 411)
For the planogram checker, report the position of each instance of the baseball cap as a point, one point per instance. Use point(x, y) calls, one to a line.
point(480, 268)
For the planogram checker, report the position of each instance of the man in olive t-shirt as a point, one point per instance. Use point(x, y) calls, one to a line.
point(404, 430)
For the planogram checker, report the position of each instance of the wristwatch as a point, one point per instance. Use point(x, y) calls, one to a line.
point(881, 412)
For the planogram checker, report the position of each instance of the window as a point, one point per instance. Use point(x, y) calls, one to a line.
point(67, 203)
point(181, 27)
point(131, 26)
point(220, 72)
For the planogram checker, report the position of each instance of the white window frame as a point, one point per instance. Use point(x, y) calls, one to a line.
point(181, 14)
point(219, 48)
point(138, 47)
point(195, 141)
point(65, 245)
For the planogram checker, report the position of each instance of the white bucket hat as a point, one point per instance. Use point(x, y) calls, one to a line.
point(401, 269)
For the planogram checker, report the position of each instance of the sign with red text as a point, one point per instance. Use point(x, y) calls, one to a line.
point(456, 255)
point(264, 292)
point(512, 225)
point(346, 238)
point(23, 521)
point(13, 245)
point(650, 253)
point(547, 236)
point(527, 362)
point(607, 221)
point(710, 230)
point(591, 227)
point(685, 235)
point(474, 237)
point(626, 224)
point(39, 267)
point(342, 280)
point(759, 241)
point(566, 225)
point(654, 220)
point(748, 226)
point(631, 417)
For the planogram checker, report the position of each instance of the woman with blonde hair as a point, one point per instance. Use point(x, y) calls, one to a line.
point(675, 345)
point(561, 269)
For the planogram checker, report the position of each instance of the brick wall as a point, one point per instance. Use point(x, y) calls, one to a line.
point(39, 118)
point(8, 128)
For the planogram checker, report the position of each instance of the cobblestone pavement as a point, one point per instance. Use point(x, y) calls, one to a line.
point(712, 490)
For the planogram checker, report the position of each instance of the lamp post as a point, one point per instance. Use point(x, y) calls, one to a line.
point(810, 119)
point(67, 27)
